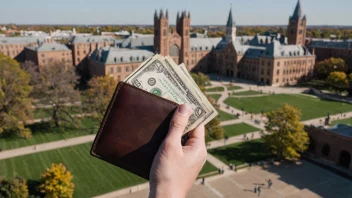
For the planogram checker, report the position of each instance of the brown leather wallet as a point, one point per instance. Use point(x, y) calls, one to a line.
point(134, 126)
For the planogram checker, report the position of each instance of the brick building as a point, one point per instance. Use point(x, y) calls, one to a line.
point(271, 59)
point(332, 145)
point(46, 53)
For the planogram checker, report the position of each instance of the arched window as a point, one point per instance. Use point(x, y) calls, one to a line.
point(174, 50)
point(325, 150)
point(345, 159)
point(121, 59)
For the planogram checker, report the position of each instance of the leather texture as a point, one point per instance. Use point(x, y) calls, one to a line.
point(134, 126)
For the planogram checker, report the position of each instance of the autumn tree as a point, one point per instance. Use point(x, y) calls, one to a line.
point(338, 80)
point(324, 68)
point(98, 95)
point(57, 89)
point(15, 103)
point(56, 182)
point(213, 128)
point(14, 188)
point(285, 133)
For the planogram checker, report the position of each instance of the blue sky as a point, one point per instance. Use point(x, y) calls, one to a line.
point(203, 12)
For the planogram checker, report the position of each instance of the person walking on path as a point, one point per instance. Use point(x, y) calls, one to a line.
point(255, 190)
point(203, 180)
point(259, 190)
point(270, 183)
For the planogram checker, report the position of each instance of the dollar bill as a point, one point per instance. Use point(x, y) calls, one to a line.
point(163, 77)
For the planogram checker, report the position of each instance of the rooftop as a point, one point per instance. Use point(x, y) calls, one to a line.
point(22, 39)
point(342, 129)
point(92, 39)
point(48, 47)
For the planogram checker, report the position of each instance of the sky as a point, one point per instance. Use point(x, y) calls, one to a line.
point(203, 12)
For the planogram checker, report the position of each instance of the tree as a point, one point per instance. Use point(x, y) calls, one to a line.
point(33, 70)
point(98, 95)
point(324, 68)
point(15, 103)
point(213, 128)
point(57, 89)
point(56, 182)
point(285, 134)
point(338, 80)
point(14, 188)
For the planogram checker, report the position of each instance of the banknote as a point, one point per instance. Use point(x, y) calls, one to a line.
point(163, 77)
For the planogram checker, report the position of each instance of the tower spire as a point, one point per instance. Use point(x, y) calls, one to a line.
point(167, 14)
point(297, 14)
point(230, 22)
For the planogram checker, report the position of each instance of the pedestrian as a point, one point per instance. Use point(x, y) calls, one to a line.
point(244, 136)
point(222, 170)
point(231, 166)
point(203, 180)
point(255, 189)
point(252, 135)
point(259, 190)
point(270, 183)
point(234, 168)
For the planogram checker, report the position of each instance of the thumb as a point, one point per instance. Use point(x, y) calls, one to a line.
point(178, 124)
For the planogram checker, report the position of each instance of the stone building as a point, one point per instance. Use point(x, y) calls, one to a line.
point(333, 146)
point(272, 59)
point(47, 53)
point(14, 46)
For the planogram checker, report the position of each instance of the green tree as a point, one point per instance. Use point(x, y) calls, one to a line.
point(98, 95)
point(338, 80)
point(285, 134)
point(213, 128)
point(56, 182)
point(324, 68)
point(14, 188)
point(15, 103)
point(57, 89)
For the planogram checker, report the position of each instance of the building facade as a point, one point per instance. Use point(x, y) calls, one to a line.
point(332, 145)
point(272, 59)
point(47, 53)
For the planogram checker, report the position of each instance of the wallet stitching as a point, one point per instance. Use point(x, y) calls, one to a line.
point(110, 107)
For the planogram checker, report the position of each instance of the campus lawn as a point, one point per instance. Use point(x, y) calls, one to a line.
point(223, 116)
point(91, 176)
point(311, 107)
point(247, 93)
point(215, 89)
point(239, 129)
point(244, 152)
point(233, 88)
point(46, 132)
point(207, 168)
point(45, 113)
point(347, 121)
point(215, 96)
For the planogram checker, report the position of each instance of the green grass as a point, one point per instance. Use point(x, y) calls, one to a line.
point(215, 96)
point(239, 129)
point(45, 113)
point(233, 88)
point(311, 107)
point(215, 89)
point(347, 121)
point(91, 176)
point(247, 93)
point(223, 116)
point(244, 152)
point(207, 168)
point(46, 132)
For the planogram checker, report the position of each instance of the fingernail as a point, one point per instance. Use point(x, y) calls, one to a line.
point(184, 109)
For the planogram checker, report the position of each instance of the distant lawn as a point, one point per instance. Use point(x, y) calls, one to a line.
point(91, 176)
point(233, 88)
point(347, 121)
point(207, 168)
point(215, 96)
point(223, 116)
point(310, 107)
point(247, 93)
point(244, 152)
point(45, 113)
point(239, 129)
point(215, 89)
point(46, 132)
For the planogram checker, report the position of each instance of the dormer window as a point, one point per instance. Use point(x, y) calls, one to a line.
point(121, 59)
point(131, 58)
point(115, 59)
point(143, 58)
point(137, 58)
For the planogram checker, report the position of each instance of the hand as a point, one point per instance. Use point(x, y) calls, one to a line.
point(176, 167)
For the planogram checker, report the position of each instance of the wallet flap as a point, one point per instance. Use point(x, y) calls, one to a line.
point(134, 126)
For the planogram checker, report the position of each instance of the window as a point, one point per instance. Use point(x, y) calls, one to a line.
point(118, 78)
point(143, 58)
point(121, 59)
point(118, 69)
point(78, 59)
point(174, 50)
point(111, 70)
point(278, 72)
point(268, 72)
point(278, 64)
point(115, 59)
point(277, 80)
point(164, 32)
point(268, 63)
point(43, 55)
point(127, 69)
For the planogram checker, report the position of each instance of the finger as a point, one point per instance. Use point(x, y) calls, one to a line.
point(198, 133)
point(178, 124)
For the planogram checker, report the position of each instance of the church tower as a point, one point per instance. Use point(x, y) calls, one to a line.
point(183, 24)
point(230, 28)
point(297, 27)
point(161, 33)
